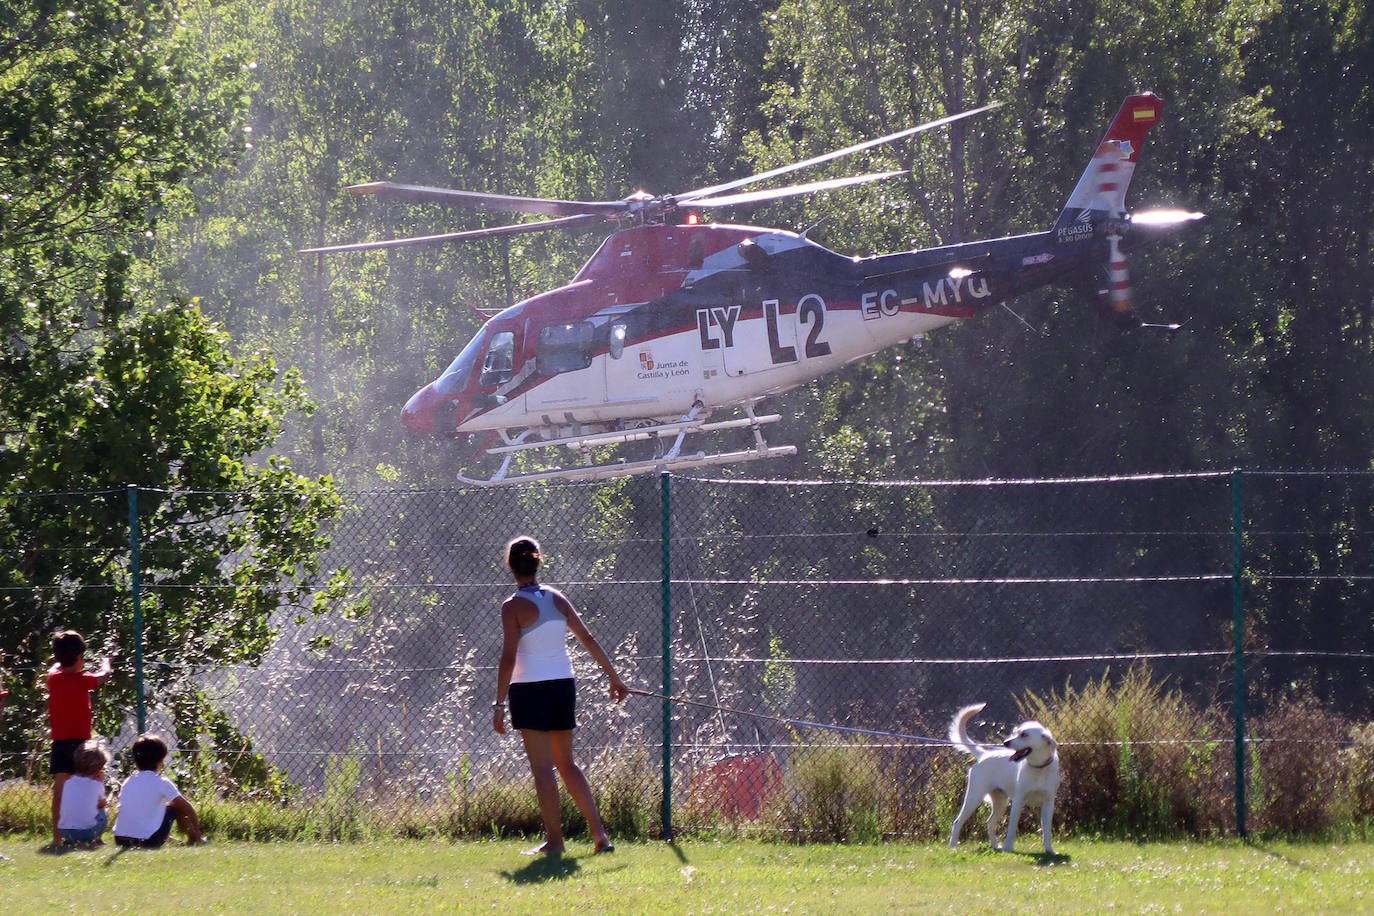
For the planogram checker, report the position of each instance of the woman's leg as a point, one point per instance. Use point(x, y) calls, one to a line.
point(561, 744)
point(539, 750)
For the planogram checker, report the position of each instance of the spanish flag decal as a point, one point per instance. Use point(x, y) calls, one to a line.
point(1144, 114)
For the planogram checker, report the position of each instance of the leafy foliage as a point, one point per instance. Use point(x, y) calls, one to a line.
point(108, 384)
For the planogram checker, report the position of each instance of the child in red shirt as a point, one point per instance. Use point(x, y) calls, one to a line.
point(69, 711)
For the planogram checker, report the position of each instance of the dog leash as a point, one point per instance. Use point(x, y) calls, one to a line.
point(802, 723)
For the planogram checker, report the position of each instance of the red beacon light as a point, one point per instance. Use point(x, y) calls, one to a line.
point(692, 219)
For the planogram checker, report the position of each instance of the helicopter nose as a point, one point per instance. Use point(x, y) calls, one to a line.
point(418, 414)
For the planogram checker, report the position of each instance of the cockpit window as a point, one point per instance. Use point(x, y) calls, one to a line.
point(455, 377)
point(499, 364)
point(565, 347)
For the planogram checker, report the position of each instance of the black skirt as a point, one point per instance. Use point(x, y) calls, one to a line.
point(543, 706)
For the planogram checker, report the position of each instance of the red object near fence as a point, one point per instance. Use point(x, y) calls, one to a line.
point(736, 788)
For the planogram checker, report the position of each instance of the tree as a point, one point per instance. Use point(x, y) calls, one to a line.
point(110, 387)
point(1049, 387)
point(1297, 321)
point(1068, 391)
point(845, 72)
point(480, 95)
point(575, 100)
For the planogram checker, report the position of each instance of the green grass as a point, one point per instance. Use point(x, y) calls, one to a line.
point(694, 876)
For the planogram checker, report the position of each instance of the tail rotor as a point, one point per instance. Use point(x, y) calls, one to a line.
point(1119, 292)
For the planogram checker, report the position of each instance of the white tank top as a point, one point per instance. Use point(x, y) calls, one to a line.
point(542, 652)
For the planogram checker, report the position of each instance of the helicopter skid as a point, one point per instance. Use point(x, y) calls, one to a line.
point(638, 434)
point(616, 469)
point(663, 461)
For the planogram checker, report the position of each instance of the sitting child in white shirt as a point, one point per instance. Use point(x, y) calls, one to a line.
point(82, 815)
point(149, 803)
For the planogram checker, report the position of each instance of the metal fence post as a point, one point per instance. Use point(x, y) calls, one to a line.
point(666, 532)
point(1238, 638)
point(135, 589)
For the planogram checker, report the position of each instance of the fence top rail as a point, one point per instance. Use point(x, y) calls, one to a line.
point(972, 482)
point(1270, 472)
point(1033, 481)
point(39, 494)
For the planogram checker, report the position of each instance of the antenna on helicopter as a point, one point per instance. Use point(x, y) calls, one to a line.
point(806, 233)
point(1040, 332)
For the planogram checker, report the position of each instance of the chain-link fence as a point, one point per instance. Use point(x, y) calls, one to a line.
point(818, 636)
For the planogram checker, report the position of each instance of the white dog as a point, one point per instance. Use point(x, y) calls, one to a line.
point(1026, 773)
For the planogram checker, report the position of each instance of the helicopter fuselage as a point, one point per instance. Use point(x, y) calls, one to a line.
point(663, 317)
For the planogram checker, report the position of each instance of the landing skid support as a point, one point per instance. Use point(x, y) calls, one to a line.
point(663, 461)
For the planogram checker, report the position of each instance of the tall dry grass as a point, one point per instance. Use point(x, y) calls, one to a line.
point(1138, 761)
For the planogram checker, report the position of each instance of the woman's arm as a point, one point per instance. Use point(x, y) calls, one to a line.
point(618, 689)
point(510, 635)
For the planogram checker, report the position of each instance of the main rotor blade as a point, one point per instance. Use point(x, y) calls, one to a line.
point(749, 197)
point(387, 190)
point(783, 170)
point(512, 229)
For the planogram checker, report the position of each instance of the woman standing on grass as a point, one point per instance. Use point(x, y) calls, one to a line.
point(536, 675)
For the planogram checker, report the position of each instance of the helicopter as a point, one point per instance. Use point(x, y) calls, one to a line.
point(674, 328)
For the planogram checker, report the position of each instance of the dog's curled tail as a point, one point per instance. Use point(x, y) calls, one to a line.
point(958, 730)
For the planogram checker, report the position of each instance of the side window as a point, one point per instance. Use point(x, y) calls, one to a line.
point(565, 348)
point(615, 344)
point(499, 364)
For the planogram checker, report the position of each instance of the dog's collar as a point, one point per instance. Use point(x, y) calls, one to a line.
point(1041, 766)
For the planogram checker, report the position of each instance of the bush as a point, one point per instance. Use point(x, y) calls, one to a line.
point(1138, 761)
point(25, 807)
point(255, 820)
point(834, 796)
point(926, 785)
point(1358, 758)
point(1299, 782)
point(629, 792)
point(920, 784)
